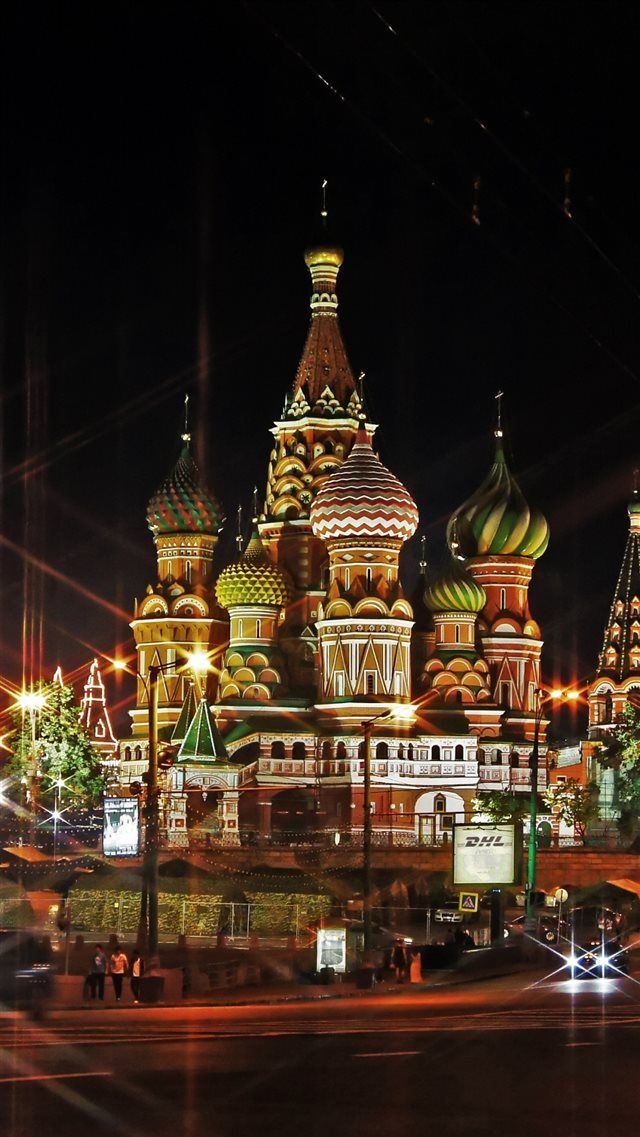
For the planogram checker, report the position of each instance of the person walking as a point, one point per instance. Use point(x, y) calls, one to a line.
point(118, 966)
point(97, 972)
point(399, 961)
point(137, 971)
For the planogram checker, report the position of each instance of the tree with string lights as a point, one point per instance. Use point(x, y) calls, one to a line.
point(61, 753)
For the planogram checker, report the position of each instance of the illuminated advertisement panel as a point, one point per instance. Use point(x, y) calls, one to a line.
point(331, 949)
point(484, 854)
point(121, 827)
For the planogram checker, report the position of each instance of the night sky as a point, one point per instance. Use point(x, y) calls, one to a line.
point(160, 176)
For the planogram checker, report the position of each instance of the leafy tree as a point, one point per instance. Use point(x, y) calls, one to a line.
point(63, 750)
point(576, 804)
point(501, 806)
point(622, 754)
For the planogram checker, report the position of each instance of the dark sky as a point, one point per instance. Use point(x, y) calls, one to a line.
point(161, 167)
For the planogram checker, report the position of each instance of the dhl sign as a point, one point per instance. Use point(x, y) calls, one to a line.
point(485, 854)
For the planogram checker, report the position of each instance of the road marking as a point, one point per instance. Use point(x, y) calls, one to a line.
point(59, 1077)
point(388, 1054)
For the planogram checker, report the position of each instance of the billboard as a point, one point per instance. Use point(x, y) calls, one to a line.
point(331, 949)
point(485, 854)
point(121, 827)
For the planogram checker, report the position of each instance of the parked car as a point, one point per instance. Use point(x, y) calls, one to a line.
point(26, 971)
point(548, 928)
point(592, 918)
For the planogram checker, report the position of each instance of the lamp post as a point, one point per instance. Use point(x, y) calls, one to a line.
point(407, 713)
point(198, 663)
point(32, 702)
point(541, 701)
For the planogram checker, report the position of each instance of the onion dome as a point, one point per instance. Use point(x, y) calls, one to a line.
point(455, 591)
point(182, 504)
point(254, 579)
point(363, 499)
point(496, 518)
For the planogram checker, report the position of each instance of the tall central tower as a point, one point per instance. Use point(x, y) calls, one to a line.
point(311, 440)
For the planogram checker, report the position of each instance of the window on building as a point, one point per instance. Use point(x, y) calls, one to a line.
point(278, 751)
point(514, 759)
point(241, 628)
point(347, 578)
point(382, 751)
point(370, 682)
point(435, 753)
point(503, 598)
point(459, 753)
point(258, 629)
point(439, 803)
point(481, 756)
point(339, 684)
point(497, 758)
point(299, 751)
point(341, 751)
point(410, 751)
point(505, 694)
point(457, 633)
point(187, 571)
point(369, 576)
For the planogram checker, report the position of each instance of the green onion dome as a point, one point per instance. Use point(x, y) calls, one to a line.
point(182, 504)
point(254, 579)
point(496, 518)
point(455, 591)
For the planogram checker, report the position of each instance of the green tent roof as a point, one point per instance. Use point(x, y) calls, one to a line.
point(203, 741)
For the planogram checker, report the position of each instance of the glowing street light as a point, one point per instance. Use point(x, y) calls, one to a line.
point(31, 701)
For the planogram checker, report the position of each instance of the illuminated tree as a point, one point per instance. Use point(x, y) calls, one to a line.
point(501, 806)
point(59, 750)
point(575, 804)
point(622, 755)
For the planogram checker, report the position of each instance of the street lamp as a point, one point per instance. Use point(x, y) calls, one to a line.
point(198, 662)
point(557, 695)
point(32, 702)
point(407, 713)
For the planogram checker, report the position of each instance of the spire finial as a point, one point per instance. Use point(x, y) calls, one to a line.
point(239, 541)
point(255, 504)
point(324, 212)
point(186, 437)
point(423, 555)
point(498, 431)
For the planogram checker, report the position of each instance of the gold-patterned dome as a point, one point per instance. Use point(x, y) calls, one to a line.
point(254, 579)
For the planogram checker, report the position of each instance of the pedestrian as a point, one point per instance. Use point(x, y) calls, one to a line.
point(399, 961)
point(415, 967)
point(118, 965)
point(97, 972)
point(137, 971)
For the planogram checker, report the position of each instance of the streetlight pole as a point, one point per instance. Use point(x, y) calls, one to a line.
point(198, 662)
point(407, 713)
point(541, 700)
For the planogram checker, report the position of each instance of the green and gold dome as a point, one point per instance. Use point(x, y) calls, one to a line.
point(496, 519)
point(254, 579)
point(455, 591)
point(183, 504)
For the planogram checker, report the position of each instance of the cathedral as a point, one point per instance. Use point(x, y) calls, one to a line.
point(310, 633)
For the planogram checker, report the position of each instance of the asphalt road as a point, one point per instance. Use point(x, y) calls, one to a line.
point(493, 1058)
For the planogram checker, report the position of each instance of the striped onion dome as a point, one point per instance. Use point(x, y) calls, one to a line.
point(182, 504)
point(496, 518)
point(254, 579)
point(455, 591)
point(363, 499)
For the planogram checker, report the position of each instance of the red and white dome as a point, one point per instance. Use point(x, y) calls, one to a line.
point(363, 499)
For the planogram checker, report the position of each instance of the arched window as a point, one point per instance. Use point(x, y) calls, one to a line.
point(514, 759)
point(435, 753)
point(439, 803)
point(258, 629)
point(608, 708)
point(459, 753)
point(410, 751)
point(278, 751)
point(341, 752)
point(127, 753)
point(187, 571)
point(497, 758)
point(503, 598)
point(299, 751)
point(401, 751)
point(457, 633)
point(369, 575)
point(482, 757)
point(241, 628)
point(327, 751)
point(382, 751)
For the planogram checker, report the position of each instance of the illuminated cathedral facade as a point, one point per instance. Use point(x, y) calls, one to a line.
point(310, 634)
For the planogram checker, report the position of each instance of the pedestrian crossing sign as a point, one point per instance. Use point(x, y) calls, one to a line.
point(468, 902)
